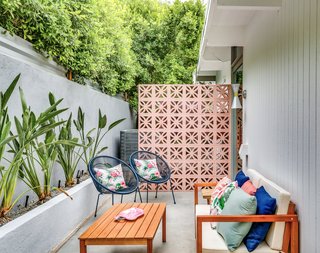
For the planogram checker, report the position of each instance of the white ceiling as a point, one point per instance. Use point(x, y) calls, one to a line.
point(225, 27)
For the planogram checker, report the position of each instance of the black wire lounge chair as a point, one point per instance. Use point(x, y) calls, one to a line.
point(108, 162)
point(163, 168)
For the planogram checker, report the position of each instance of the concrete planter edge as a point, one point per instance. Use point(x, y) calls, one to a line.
point(46, 227)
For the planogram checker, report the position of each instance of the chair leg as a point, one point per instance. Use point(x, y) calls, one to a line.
point(112, 199)
point(156, 191)
point(121, 198)
point(95, 213)
point(135, 196)
point(174, 199)
point(147, 192)
point(140, 194)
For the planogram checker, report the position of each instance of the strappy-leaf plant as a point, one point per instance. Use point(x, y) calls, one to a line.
point(35, 146)
point(69, 154)
point(92, 139)
point(7, 180)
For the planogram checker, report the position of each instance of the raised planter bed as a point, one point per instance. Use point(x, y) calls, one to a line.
point(47, 226)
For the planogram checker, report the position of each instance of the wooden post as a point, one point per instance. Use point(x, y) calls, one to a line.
point(199, 236)
point(149, 246)
point(287, 231)
point(83, 247)
point(164, 226)
point(69, 74)
point(294, 245)
point(195, 194)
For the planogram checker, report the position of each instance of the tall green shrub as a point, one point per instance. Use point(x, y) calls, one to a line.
point(117, 44)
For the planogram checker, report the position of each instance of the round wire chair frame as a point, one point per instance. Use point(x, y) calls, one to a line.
point(105, 190)
point(165, 177)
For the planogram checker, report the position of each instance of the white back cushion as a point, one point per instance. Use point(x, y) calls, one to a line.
point(274, 237)
point(254, 176)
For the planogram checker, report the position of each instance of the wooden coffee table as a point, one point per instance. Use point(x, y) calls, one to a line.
point(107, 231)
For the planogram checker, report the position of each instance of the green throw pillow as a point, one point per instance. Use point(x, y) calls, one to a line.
point(238, 203)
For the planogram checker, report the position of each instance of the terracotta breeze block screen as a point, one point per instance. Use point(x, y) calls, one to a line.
point(189, 125)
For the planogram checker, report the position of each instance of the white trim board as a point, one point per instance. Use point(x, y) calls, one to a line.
point(257, 5)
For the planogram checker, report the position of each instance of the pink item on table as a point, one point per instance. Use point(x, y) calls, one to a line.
point(130, 214)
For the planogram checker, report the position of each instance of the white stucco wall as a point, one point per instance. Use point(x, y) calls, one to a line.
point(282, 112)
point(37, 80)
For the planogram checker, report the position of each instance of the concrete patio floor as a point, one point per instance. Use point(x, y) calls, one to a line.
point(180, 228)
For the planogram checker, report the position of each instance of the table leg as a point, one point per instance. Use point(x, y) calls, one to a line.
point(83, 247)
point(164, 226)
point(149, 246)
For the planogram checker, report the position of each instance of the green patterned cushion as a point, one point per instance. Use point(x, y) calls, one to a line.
point(238, 203)
point(148, 169)
point(220, 198)
point(112, 178)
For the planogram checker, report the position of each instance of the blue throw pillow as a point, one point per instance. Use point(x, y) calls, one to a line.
point(241, 178)
point(265, 205)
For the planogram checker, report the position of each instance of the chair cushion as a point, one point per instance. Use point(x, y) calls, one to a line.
point(202, 210)
point(212, 242)
point(218, 202)
point(148, 169)
point(111, 178)
point(249, 188)
point(222, 184)
point(241, 178)
point(265, 205)
point(238, 203)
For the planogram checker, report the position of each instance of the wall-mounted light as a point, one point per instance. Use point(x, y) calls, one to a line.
point(244, 94)
point(236, 101)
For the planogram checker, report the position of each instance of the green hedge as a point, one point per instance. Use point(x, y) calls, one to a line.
point(115, 43)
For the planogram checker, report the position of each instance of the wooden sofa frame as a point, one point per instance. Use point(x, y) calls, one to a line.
point(291, 232)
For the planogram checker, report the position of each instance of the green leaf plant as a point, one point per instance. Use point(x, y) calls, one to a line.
point(91, 144)
point(69, 151)
point(34, 147)
point(7, 180)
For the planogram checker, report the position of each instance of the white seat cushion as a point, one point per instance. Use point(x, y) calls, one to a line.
point(202, 210)
point(212, 242)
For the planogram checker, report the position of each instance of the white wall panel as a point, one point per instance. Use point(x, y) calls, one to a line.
point(282, 114)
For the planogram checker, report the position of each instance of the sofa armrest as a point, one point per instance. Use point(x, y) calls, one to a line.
point(288, 218)
point(196, 187)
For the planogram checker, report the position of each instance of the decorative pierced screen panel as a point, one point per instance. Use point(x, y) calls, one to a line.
point(189, 125)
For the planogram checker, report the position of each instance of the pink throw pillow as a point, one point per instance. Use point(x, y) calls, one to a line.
point(249, 188)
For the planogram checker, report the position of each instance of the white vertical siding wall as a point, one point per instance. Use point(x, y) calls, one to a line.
point(282, 112)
